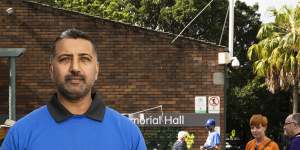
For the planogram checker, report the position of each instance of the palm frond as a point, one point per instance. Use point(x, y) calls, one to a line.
point(265, 31)
point(276, 56)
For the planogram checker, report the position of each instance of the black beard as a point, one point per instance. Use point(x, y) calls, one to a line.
point(70, 96)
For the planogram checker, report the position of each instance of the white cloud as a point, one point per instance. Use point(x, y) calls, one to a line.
point(264, 5)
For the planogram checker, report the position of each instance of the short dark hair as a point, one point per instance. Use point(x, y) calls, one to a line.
point(72, 34)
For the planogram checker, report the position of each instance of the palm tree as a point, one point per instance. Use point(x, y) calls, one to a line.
point(276, 56)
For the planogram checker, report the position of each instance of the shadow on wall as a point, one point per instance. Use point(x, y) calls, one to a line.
point(27, 100)
point(4, 76)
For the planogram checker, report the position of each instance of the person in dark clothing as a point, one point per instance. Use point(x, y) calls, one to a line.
point(180, 144)
point(292, 129)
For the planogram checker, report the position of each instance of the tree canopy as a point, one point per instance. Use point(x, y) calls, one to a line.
point(172, 16)
point(276, 56)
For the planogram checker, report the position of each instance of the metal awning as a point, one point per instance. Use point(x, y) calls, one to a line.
point(11, 52)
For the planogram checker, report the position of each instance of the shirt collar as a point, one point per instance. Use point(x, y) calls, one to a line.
point(60, 113)
point(297, 135)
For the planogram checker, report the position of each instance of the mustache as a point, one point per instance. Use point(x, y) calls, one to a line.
point(74, 77)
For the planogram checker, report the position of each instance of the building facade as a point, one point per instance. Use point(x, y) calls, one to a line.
point(139, 68)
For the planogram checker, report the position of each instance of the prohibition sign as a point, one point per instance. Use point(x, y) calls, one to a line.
point(214, 100)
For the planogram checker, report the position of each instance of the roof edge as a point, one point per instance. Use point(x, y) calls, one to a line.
point(123, 23)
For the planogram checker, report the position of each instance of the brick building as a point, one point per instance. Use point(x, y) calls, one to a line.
point(139, 67)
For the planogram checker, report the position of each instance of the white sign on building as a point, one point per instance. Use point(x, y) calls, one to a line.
point(200, 104)
point(214, 104)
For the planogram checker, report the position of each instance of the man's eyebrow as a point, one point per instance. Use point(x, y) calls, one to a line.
point(67, 54)
point(85, 54)
point(64, 54)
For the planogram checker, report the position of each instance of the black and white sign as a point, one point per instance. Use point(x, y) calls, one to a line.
point(214, 104)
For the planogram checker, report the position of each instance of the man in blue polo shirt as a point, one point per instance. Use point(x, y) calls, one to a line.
point(213, 140)
point(75, 117)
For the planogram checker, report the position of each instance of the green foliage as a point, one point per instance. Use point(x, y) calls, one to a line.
point(161, 138)
point(172, 16)
point(249, 90)
point(119, 10)
point(276, 55)
point(190, 140)
point(253, 98)
point(277, 48)
point(177, 15)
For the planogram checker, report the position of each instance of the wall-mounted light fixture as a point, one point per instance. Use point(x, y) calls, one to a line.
point(10, 11)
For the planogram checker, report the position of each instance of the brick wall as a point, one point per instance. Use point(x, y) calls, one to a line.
point(139, 68)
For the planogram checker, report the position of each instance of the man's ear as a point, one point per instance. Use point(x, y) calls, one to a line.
point(97, 71)
point(51, 71)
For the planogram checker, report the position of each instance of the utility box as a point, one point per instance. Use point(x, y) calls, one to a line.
point(223, 58)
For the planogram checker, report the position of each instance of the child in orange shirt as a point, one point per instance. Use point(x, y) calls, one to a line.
point(258, 124)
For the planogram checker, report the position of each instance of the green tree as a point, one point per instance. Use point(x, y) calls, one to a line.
point(254, 98)
point(276, 56)
point(172, 16)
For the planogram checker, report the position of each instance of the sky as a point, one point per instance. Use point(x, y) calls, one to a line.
point(264, 5)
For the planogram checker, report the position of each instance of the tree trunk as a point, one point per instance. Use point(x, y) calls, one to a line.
point(295, 90)
point(295, 98)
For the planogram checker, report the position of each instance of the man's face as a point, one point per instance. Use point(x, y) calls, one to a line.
point(74, 68)
point(183, 138)
point(258, 131)
point(210, 128)
point(289, 126)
